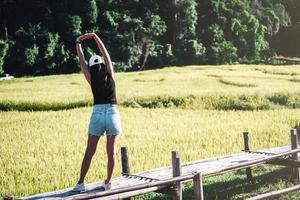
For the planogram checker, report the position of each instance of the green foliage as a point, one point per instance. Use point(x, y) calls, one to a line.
point(72, 27)
point(272, 15)
point(224, 52)
point(91, 11)
point(90, 15)
point(193, 52)
point(159, 102)
point(3, 51)
point(135, 42)
point(250, 33)
point(147, 34)
point(41, 50)
point(187, 20)
point(31, 55)
point(161, 55)
point(215, 34)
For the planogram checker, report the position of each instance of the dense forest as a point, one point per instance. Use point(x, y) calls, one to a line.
point(38, 36)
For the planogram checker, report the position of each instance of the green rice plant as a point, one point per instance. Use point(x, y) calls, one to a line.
point(295, 79)
point(243, 102)
point(161, 102)
point(280, 98)
point(194, 113)
point(192, 80)
point(281, 72)
point(150, 80)
point(235, 83)
point(42, 151)
point(42, 106)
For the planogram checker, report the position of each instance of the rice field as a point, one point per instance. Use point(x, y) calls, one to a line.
point(174, 81)
point(42, 150)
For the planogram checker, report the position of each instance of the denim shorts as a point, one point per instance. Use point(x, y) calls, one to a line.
point(106, 120)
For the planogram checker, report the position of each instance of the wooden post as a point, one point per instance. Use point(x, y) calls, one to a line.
point(177, 192)
point(294, 143)
point(247, 148)
point(297, 127)
point(198, 187)
point(125, 162)
point(9, 197)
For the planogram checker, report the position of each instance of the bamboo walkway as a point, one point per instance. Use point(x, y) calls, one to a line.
point(168, 179)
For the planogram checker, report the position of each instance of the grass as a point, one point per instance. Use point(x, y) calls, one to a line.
point(177, 83)
point(43, 124)
point(42, 151)
point(235, 83)
point(196, 87)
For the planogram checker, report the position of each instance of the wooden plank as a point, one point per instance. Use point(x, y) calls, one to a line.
point(177, 190)
point(273, 194)
point(251, 163)
point(204, 163)
point(152, 185)
point(131, 194)
point(198, 187)
point(294, 143)
point(209, 167)
point(184, 177)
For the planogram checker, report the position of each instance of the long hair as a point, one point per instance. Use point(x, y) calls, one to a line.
point(101, 71)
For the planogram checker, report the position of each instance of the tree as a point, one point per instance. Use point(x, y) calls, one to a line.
point(36, 51)
point(133, 29)
point(272, 15)
point(286, 41)
point(187, 20)
point(3, 52)
point(146, 34)
point(71, 27)
point(250, 34)
point(90, 15)
point(224, 52)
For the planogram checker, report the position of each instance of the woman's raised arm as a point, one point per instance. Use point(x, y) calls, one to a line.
point(105, 54)
point(83, 65)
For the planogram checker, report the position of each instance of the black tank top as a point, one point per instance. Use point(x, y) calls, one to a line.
point(103, 86)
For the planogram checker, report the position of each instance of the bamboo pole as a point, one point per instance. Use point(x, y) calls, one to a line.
point(176, 166)
point(198, 186)
point(273, 194)
point(247, 148)
point(132, 193)
point(125, 161)
point(294, 143)
point(170, 181)
point(285, 162)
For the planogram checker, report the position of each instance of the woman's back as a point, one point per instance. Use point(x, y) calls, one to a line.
point(103, 85)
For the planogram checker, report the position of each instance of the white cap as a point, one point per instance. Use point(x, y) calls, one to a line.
point(95, 59)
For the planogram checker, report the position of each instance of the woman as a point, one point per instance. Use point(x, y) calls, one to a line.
point(105, 117)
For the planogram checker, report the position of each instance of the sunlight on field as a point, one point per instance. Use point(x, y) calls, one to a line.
point(42, 151)
point(174, 81)
point(59, 88)
point(199, 112)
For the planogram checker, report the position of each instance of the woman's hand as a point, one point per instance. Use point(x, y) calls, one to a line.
point(85, 36)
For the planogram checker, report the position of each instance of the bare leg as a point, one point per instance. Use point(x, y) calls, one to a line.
point(89, 153)
point(110, 150)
